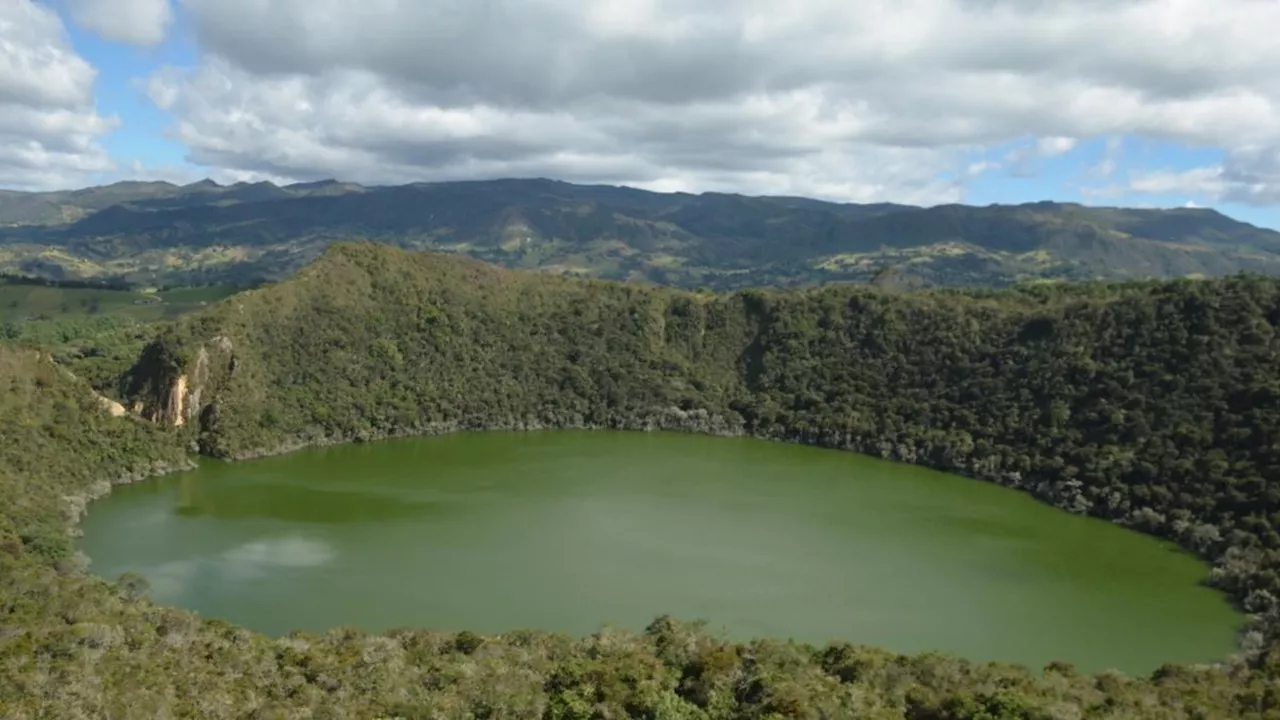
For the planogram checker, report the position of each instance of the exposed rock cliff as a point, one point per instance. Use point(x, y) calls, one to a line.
point(170, 382)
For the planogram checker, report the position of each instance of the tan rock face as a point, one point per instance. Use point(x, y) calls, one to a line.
point(174, 412)
point(170, 408)
point(175, 396)
point(113, 407)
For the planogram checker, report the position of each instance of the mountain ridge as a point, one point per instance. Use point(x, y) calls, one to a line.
point(245, 232)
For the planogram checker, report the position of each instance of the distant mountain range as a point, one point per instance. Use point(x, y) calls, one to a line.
point(158, 232)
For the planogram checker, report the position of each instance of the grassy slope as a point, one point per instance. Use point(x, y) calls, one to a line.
point(24, 301)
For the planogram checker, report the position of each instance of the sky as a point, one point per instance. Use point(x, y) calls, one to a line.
point(1161, 103)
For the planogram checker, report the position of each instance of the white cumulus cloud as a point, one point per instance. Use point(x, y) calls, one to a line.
point(860, 101)
point(137, 22)
point(1197, 181)
point(1248, 175)
point(1054, 146)
point(49, 127)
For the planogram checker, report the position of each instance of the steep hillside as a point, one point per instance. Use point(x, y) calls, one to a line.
point(205, 233)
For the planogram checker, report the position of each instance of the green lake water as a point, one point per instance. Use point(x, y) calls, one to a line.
point(571, 531)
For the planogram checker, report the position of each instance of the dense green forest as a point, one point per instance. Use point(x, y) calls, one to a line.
point(1155, 405)
point(1150, 404)
point(74, 646)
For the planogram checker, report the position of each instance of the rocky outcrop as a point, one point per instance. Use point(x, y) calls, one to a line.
point(111, 406)
point(167, 386)
point(173, 410)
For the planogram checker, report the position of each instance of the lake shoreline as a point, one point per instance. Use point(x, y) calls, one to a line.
point(652, 426)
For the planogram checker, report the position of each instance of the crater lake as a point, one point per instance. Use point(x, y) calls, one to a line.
point(574, 530)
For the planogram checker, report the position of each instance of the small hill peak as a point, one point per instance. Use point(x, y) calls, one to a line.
point(205, 184)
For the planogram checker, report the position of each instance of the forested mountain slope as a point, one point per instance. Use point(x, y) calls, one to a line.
point(1154, 404)
point(158, 233)
point(72, 645)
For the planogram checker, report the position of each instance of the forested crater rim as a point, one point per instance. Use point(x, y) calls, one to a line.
point(731, 364)
point(1151, 403)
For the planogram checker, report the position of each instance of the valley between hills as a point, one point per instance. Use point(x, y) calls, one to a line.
point(1154, 404)
point(157, 233)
